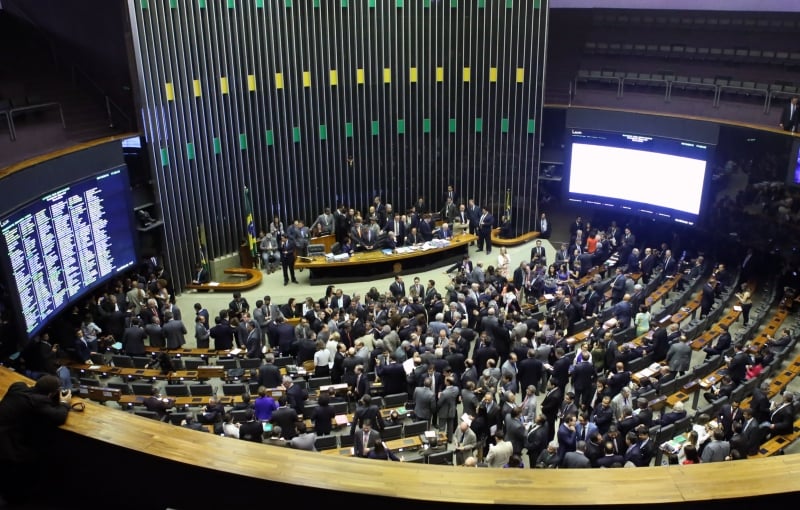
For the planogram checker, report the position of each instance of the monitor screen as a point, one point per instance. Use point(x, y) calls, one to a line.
point(68, 242)
point(640, 174)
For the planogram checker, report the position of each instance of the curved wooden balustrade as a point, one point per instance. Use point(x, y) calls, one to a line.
point(252, 279)
point(201, 469)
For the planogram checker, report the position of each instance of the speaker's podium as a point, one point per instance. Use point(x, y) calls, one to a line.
point(246, 256)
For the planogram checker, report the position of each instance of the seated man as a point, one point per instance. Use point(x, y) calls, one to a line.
point(777, 345)
point(444, 232)
point(200, 274)
point(506, 228)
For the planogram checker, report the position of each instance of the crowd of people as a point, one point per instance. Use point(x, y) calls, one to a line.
point(494, 341)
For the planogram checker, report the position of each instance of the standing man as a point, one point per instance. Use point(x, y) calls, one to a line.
point(790, 117)
point(174, 331)
point(545, 228)
point(485, 224)
point(474, 215)
point(287, 260)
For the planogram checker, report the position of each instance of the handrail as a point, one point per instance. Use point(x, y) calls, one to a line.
point(109, 103)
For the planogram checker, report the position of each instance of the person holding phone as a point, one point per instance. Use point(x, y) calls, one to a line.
point(29, 416)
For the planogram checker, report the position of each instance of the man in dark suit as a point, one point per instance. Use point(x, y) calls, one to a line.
point(751, 433)
point(365, 438)
point(398, 288)
point(296, 395)
point(474, 214)
point(397, 226)
point(551, 404)
point(760, 403)
point(560, 374)
point(678, 412)
point(538, 254)
point(425, 228)
point(790, 116)
point(200, 274)
point(721, 345)
point(174, 332)
point(287, 249)
point(133, 338)
point(782, 418)
point(729, 414)
point(707, 298)
point(269, 376)
point(222, 334)
point(545, 227)
point(449, 210)
point(530, 370)
point(238, 304)
point(737, 365)
point(618, 378)
point(583, 380)
point(617, 287)
point(659, 344)
point(485, 225)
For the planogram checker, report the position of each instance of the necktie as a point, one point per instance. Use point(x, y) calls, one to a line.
point(462, 437)
point(366, 438)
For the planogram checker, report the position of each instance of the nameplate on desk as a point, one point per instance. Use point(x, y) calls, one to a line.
point(665, 319)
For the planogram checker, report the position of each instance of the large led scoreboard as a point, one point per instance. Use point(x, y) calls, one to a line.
point(68, 242)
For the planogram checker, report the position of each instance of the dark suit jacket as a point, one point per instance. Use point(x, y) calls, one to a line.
point(133, 341)
point(552, 403)
point(223, 336)
point(783, 419)
point(671, 417)
point(174, 332)
point(296, 397)
point(361, 448)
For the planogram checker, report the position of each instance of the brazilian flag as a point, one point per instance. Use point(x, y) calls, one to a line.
point(251, 224)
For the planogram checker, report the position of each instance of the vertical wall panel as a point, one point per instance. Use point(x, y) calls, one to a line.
point(313, 104)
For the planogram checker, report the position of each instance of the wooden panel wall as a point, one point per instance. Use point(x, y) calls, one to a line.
point(313, 103)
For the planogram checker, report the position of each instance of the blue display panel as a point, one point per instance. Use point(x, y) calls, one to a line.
point(662, 178)
point(68, 242)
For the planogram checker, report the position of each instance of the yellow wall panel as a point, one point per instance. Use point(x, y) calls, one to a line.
point(440, 74)
point(360, 76)
point(387, 75)
point(278, 80)
point(251, 82)
point(520, 75)
point(198, 90)
point(306, 79)
point(170, 91)
point(492, 74)
point(412, 75)
point(466, 74)
point(334, 77)
point(223, 85)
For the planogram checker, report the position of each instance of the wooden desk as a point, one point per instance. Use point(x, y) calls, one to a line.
point(715, 330)
point(688, 309)
point(662, 291)
point(200, 353)
point(512, 241)
point(770, 329)
point(376, 263)
point(252, 279)
point(136, 373)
